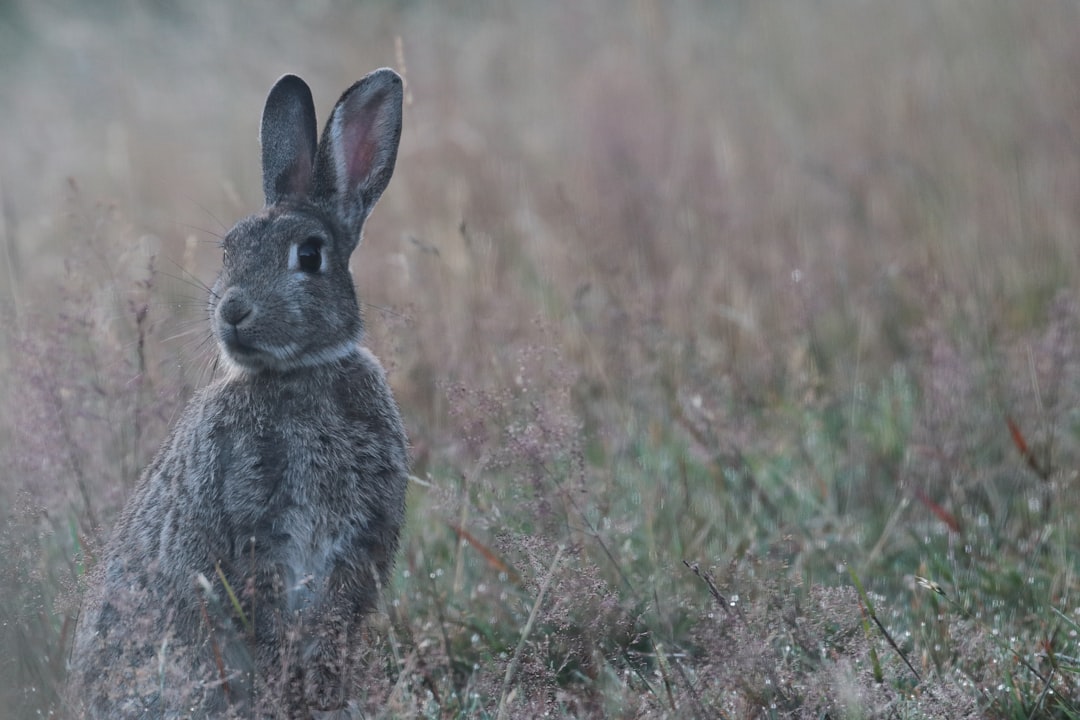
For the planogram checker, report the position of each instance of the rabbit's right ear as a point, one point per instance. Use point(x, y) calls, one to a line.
point(359, 148)
point(288, 136)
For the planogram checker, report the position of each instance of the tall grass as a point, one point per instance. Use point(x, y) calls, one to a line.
point(739, 343)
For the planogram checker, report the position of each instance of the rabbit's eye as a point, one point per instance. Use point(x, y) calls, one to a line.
point(309, 255)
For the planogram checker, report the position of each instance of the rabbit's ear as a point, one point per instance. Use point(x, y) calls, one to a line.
point(288, 136)
point(359, 147)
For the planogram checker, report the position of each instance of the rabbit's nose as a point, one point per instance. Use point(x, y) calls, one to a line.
point(234, 307)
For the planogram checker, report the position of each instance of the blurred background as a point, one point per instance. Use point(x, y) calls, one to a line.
point(784, 290)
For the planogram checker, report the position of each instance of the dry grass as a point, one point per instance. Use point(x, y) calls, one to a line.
point(758, 286)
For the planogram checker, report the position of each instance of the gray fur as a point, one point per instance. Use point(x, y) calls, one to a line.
point(288, 136)
point(287, 475)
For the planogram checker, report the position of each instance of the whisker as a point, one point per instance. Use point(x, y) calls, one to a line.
point(206, 210)
point(196, 228)
point(209, 369)
point(180, 300)
point(190, 279)
point(182, 335)
point(387, 311)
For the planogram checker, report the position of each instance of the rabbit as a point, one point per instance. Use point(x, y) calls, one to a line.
point(255, 542)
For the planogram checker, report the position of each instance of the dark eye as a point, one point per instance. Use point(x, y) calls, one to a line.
point(309, 255)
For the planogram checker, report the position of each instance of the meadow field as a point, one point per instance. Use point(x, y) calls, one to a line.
point(738, 342)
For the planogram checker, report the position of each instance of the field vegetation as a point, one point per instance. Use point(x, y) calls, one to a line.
point(738, 342)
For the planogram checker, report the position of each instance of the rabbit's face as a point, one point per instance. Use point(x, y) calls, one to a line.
point(285, 298)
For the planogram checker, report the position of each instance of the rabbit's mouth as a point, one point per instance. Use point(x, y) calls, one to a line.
point(242, 352)
point(247, 355)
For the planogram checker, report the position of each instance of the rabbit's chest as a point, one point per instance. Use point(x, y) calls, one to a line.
point(293, 498)
point(303, 546)
point(307, 564)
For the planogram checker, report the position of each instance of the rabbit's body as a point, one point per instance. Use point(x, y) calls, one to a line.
point(283, 483)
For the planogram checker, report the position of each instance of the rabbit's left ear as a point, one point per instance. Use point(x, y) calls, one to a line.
point(358, 149)
point(288, 136)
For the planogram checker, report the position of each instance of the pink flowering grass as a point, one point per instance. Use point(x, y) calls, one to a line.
point(701, 316)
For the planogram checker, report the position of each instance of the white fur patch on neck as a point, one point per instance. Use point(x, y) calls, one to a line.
point(330, 354)
point(290, 357)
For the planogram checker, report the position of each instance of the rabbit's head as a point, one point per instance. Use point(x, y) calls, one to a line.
point(285, 297)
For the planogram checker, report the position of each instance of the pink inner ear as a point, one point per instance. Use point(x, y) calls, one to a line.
point(358, 143)
point(299, 175)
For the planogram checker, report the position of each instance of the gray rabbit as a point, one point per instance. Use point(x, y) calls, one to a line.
point(242, 566)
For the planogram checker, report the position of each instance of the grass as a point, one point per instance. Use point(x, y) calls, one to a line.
point(739, 343)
